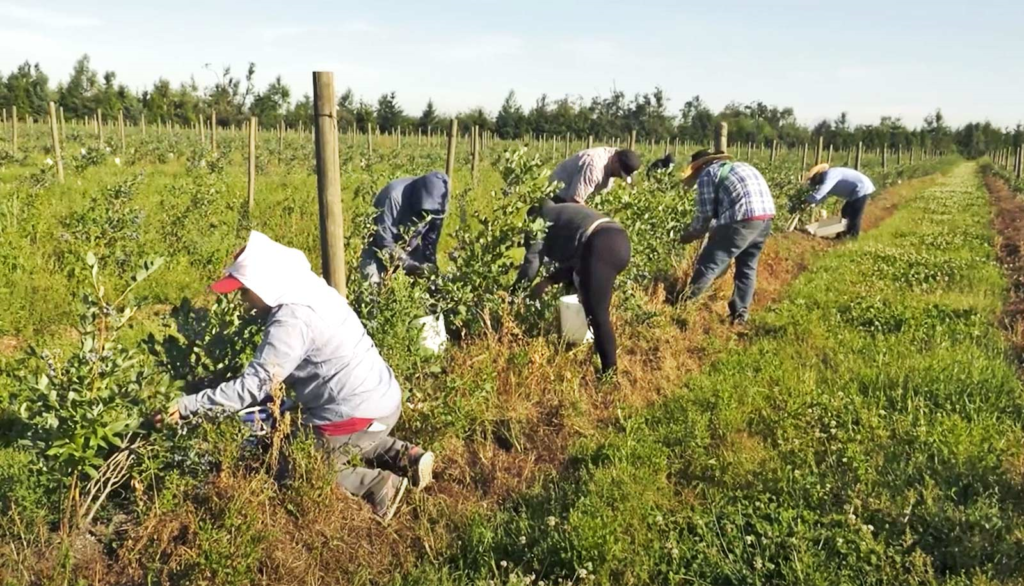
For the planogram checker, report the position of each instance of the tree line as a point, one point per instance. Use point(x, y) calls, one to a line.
point(236, 98)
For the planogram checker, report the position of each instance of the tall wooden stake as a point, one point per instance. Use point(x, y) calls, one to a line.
point(120, 128)
point(99, 126)
point(328, 181)
point(860, 154)
point(476, 152)
point(14, 128)
point(722, 137)
point(821, 150)
point(449, 163)
point(56, 143)
point(252, 162)
point(63, 135)
point(213, 131)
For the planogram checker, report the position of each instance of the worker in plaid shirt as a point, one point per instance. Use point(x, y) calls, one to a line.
point(737, 199)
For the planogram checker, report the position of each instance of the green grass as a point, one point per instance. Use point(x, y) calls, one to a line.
point(883, 355)
point(869, 433)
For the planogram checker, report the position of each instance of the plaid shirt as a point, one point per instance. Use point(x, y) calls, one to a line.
point(744, 194)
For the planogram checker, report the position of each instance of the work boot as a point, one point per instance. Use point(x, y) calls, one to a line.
point(387, 498)
point(420, 467)
point(739, 319)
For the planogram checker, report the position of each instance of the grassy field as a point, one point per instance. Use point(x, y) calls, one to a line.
point(862, 430)
point(866, 432)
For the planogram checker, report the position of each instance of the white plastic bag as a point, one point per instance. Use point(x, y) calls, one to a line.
point(573, 318)
point(434, 337)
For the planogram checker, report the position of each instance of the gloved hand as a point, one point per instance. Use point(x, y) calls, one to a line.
point(413, 268)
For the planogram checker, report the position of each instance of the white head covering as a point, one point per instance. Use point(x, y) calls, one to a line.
point(281, 275)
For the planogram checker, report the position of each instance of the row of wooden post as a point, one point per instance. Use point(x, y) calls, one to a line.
point(1011, 159)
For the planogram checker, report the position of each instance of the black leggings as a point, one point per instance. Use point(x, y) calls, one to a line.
point(853, 212)
point(605, 255)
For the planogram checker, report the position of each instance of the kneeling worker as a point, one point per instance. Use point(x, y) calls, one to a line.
point(416, 206)
point(737, 198)
point(315, 345)
point(850, 185)
point(589, 249)
point(592, 171)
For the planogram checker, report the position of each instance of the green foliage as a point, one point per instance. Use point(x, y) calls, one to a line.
point(75, 411)
point(209, 346)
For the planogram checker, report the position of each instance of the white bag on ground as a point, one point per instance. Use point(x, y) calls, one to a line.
point(433, 337)
point(575, 329)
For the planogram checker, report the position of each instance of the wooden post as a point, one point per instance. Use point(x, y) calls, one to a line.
point(676, 148)
point(632, 140)
point(722, 137)
point(369, 138)
point(143, 120)
point(449, 164)
point(56, 143)
point(63, 135)
point(590, 141)
point(120, 127)
point(860, 154)
point(280, 139)
point(829, 155)
point(803, 163)
point(252, 162)
point(399, 131)
point(328, 181)
point(775, 150)
point(885, 158)
point(213, 131)
point(566, 150)
point(99, 126)
point(476, 152)
point(912, 154)
point(201, 127)
point(1020, 162)
point(14, 128)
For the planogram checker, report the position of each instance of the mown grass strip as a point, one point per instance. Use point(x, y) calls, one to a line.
point(869, 433)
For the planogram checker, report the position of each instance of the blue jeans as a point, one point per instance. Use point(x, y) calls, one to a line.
point(742, 241)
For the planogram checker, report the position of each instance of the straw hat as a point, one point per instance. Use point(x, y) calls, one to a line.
point(815, 170)
point(698, 161)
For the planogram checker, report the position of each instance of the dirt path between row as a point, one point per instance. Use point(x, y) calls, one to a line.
point(1008, 222)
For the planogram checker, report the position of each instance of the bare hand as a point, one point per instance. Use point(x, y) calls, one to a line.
point(539, 289)
point(173, 417)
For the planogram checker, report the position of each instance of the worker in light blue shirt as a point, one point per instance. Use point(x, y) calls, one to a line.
point(849, 185)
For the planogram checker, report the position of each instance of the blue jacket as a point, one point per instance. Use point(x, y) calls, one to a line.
point(846, 184)
point(411, 215)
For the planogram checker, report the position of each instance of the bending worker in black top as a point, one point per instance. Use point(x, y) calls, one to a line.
point(588, 248)
point(408, 225)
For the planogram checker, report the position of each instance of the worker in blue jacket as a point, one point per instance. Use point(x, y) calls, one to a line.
point(408, 224)
point(849, 185)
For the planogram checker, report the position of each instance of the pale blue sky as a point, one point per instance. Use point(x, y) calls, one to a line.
point(867, 57)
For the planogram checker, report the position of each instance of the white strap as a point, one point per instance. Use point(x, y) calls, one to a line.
point(593, 227)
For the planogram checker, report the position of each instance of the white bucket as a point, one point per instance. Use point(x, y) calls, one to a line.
point(575, 329)
point(433, 337)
